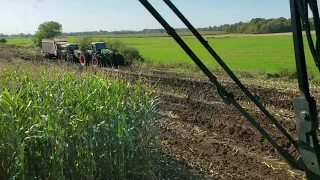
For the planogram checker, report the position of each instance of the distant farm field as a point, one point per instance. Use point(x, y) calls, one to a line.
point(250, 53)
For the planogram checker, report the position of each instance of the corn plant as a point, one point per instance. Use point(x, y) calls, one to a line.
point(75, 127)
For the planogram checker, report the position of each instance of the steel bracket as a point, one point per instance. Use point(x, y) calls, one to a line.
point(306, 125)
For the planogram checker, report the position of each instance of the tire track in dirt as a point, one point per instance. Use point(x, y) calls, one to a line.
point(221, 118)
point(195, 91)
point(269, 96)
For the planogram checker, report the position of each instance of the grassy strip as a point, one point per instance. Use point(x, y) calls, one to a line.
point(56, 124)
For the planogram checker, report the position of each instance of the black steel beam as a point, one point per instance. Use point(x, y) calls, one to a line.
point(299, 50)
point(316, 20)
point(305, 105)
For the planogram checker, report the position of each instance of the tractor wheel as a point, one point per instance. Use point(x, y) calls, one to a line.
point(46, 56)
point(95, 62)
point(64, 57)
point(70, 58)
point(82, 60)
point(75, 60)
point(119, 60)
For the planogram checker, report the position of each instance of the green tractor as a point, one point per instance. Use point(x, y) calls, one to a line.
point(99, 55)
point(72, 53)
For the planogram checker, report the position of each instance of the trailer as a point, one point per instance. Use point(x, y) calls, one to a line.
point(52, 47)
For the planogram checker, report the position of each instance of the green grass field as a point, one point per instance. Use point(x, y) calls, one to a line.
point(250, 53)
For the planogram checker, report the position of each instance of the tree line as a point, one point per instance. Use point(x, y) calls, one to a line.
point(259, 26)
point(102, 32)
point(16, 35)
point(254, 26)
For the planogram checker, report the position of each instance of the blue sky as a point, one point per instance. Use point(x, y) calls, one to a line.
point(85, 15)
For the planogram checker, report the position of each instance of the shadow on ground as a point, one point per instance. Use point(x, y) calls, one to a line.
point(167, 167)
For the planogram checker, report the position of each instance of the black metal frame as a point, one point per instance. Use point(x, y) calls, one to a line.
point(304, 106)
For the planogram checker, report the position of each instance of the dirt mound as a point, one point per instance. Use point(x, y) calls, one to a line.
point(9, 52)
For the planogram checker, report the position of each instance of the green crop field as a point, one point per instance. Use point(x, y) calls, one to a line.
point(20, 41)
point(250, 53)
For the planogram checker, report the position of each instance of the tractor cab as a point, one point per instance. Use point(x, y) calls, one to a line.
point(68, 51)
point(96, 47)
point(71, 47)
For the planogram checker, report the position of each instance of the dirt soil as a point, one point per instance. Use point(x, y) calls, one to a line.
point(197, 127)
